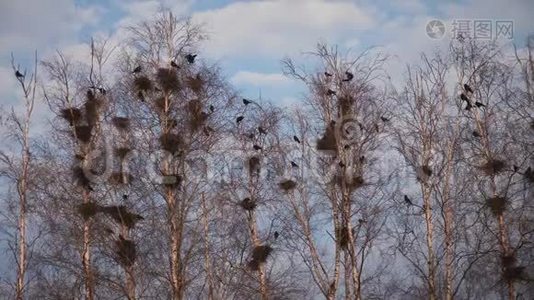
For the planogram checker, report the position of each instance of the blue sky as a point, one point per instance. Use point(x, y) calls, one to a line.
point(249, 38)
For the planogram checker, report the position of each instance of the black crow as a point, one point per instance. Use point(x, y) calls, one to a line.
point(384, 119)
point(246, 102)
point(296, 139)
point(102, 90)
point(479, 104)
point(276, 235)
point(250, 135)
point(294, 165)
point(212, 108)
point(464, 97)
point(327, 74)
point(261, 130)
point(346, 147)
point(467, 88)
point(18, 74)
point(174, 65)
point(468, 106)
point(331, 92)
point(341, 164)
point(257, 147)
point(362, 159)
point(476, 134)
point(349, 76)
point(239, 119)
point(407, 200)
point(190, 58)
point(124, 197)
point(137, 69)
point(516, 168)
point(141, 96)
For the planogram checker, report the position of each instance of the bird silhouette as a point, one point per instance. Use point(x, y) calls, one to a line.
point(102, 90)
point(294, 165)
point(18, 74)
point(407, 200)
point(141, 96)
point(276, 235)
point(124, 197)
point(239, 119)
point(174, 65)
point(261, 130)
point(327, 74)
point(362, 159)
point(250, 135)
point(464, 97)
point(296, 139)
point(467, 88)
point(469, 106)
point(384, 119)
point(246, 102)
point(257, 147)
point(479, 104)
point(476, 134)
point(341, 164)
point(212, 108)
point(349, 77)
point(190, 58)
point(136, 70)
point(516, 168)
point(331, 92)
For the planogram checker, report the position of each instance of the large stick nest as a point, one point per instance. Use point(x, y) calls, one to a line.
point(342, 236)
point(72, 115)
point(497, 205)
point(328, 141)
point(493, 167)
point(171, 142)
point(254, 166)
point(121, 152)
point(122, 123)
point(261, 253)
point(287, 185)
point(352, 182)
point(83, 133)
point(88, 209)
point(248, 204)
point(168, 79)
point(126, 251)
point(142, 83)
point(80, 178)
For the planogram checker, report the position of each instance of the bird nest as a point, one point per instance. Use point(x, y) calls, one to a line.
point(248, 204)
point(346, 103)
point(161, 105)
point(122, 152)
point(342, 236)
point(170, 142)
point(493, 167)
point(121, 215)
point(328, 141)
point(119, 178)
point(142, 83)
point(254, 165)
point(121, 123)
point(83, 133)
point(72, 115)
point(514, 273)
point(92, 110)
point(497, 205)
point(287, 185)
point(168, 79)
point(88, 209)
point(352, 182)
point(80, 178)
point(508, 261)
point(261, 253)
point(197, 118)
point(195, 83)
point(126, 251)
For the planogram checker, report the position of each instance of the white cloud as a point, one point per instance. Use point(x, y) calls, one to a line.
point(259, 79)
point(275, 28)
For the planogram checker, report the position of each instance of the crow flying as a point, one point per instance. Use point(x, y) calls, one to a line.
point(296, 139)
point(467, 88)
point(190, 58)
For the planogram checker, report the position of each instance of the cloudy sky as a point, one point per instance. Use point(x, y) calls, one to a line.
point(249, 38)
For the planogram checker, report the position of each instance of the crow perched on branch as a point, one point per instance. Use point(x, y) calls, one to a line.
point(246, 101)
point(294, 165)
point(327, 74)
point(276, 235)
point(479, 104)
point(190, 58)
point(239, 119)
point(349, 77)
point(331, 92)
point(467, 88)
point(257, 147)
point(464, 97)
point(19, 75)
point(174, 65)
point(136, 70)
point(261, 130)
point(296, 139)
